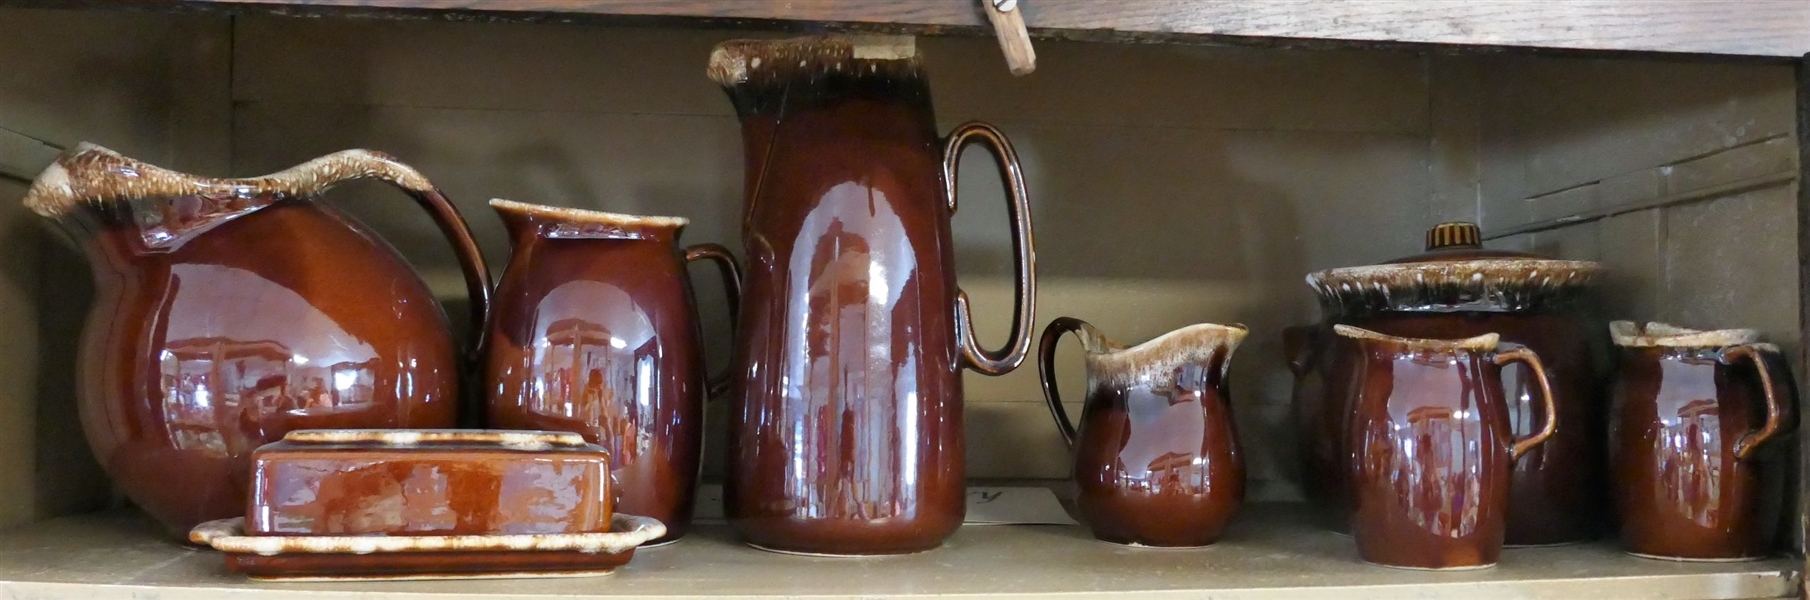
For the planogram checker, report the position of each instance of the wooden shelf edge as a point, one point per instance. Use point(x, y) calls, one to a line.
point(1758, 29)
point(1270, 554)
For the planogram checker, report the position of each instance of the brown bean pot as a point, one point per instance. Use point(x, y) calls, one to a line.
point(1156, 457)
point(846, 425)
point(596, 332)
point(1460, 290)
point(229, 312)
point(1696, 414)
point(1431, 450)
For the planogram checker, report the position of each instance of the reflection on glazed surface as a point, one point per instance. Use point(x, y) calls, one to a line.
point(598, 378)
point(1559, 490)
point(596, 333)
point(1430, 456)
point(217, 328)
point(475, 492)
point(1680, 490)
point(1157, 463)
point(846, 430)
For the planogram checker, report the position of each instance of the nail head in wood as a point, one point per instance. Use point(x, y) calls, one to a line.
point(1008, 25)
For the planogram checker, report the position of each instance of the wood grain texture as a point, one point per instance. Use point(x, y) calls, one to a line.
point(1753, 28)
point(1802, 137)
point(1014, 41)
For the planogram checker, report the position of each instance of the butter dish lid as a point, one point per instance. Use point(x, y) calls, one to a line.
point(1456, 273)
point(434, 439)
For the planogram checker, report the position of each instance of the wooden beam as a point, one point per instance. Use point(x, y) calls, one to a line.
point(1803, 310)
point(1779, 29)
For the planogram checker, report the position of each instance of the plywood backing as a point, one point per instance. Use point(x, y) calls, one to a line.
point(1171, 185)
point(1563, 138)
point(151, 86)
point(1183, 203)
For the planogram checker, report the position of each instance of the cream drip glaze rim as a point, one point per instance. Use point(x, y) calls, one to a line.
point(1161, 355)
point(1654, 334)
point(1343, 278)
point(734, 62)
point(91, 174)
point(626, 532)
point(1481, 343)
point(580, 215)
point(512, 439)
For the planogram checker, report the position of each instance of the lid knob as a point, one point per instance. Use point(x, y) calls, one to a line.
point(1456, 234)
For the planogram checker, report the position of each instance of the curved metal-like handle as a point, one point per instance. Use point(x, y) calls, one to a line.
point(732, 287)
point(1551, 425)
point(348, 165)
point(1775, 410)
point(1024, 280)
point(1046, 369)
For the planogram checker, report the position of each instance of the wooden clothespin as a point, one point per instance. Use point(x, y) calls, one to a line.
point(1007, 17)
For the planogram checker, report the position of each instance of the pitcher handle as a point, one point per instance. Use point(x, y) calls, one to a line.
point(1024, 268)
point(1551, 423)
point(732, 288)
point(348, 165)
point(1775, 409)
point(1046, 369)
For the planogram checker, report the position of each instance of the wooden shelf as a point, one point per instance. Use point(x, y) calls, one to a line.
point(1269, 554)
point(1754, 28)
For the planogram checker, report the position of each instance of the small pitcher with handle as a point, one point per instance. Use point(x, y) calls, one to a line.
point(1430, 447)
point(1693, 415)
point(1156, 455)
point(596, 332)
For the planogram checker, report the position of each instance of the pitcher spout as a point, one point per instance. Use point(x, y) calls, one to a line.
point(91, 188)
point(1205, 343)
point(526, 221)
point(759, 75)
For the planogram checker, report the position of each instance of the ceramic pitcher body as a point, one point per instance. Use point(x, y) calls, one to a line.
point(1459, 289)
point(846, 425)
point(595, 332)
point(1694, 413)
point(1430, 448)
point(228, 312)
point(1156, 457)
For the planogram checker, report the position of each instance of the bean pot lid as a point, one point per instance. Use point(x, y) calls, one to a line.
point(1456, 273)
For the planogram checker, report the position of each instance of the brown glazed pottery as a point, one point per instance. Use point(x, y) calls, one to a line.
point(1430, 449)
point(429, 482)
point(845, 434)
point(1156, 458)
point(595, 331)
point(1695, 413)
point(1456, 290)
point(229, 312)
point(533, 474)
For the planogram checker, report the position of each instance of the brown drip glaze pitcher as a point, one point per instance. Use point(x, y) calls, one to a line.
point(845, 434)
point(596, 332)
point(1458, 289)
point(1156, 456)
point(1696, 417)
point(1430, 450)
point(228, 312)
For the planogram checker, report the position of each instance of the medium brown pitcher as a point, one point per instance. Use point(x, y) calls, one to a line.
point(1430, 448)
point(845, 434)
point(1156, 457)
point(229, 312)
point(1694, 415)
point(596, 332)
point(1459, 289)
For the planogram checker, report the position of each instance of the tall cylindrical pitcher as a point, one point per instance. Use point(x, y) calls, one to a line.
point(845, 433)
